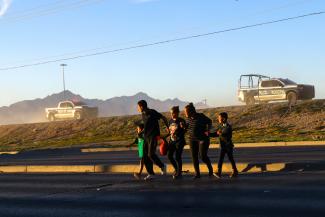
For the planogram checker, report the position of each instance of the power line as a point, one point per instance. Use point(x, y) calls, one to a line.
point(37, 7)
point(80, 52)
point(284, 6)
point(163, 42)
point(44, 10)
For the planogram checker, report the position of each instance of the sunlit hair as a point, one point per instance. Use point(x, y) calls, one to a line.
point(190, 109)
point(175, 109)
point(140, 126)
point(143, 104)
point(224, 115)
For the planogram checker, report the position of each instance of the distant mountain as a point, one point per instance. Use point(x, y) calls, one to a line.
point(30, 111)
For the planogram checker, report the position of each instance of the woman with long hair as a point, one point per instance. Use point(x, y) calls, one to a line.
point(198, 127)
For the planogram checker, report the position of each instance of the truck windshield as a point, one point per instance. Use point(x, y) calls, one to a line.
point(288, 81)
point(79, 103)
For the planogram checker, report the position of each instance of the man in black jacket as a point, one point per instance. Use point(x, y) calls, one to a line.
point(224, 132)
point(151, 119)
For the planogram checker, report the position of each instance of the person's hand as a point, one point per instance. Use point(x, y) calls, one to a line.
point(219, 132)
point(206, 133)
point(181, 125)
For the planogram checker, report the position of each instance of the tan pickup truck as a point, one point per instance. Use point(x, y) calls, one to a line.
point(71, 110)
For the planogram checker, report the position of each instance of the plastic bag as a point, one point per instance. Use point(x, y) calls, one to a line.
point(163, 146)
point(140, 147)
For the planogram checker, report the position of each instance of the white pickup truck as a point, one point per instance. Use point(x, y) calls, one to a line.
point(254, 88)
point(71, 110)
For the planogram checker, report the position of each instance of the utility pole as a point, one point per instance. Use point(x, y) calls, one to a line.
point(63, 65)
point(205, 101)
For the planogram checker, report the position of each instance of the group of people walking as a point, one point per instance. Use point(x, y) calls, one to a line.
point(199, 130)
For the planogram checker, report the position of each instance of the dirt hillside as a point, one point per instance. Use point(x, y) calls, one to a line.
point(260, 123)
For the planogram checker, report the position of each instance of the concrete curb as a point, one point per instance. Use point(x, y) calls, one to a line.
point(9, 152)
point(212, 146)
point(131, 168)
point(215, 146)
point(188, 167)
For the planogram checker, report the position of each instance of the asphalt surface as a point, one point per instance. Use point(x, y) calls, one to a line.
point(279, 194)
point(75, 157)
point(296, 191)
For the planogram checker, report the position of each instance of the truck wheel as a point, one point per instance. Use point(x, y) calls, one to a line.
point(51, 117)
point(77, 116)
point(292, 98)
point(250, 100)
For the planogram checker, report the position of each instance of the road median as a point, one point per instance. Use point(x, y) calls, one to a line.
point(215, 146)
point(212, 146)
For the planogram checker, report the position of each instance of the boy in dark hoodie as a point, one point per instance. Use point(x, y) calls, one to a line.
point(224, 132)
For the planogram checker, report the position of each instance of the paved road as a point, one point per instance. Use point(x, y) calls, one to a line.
point(93, 195)
point(75, 157)
point(294, 192)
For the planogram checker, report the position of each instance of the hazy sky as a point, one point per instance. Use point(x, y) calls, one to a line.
point(35, 31)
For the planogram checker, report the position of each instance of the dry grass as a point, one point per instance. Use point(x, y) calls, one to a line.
point(261, 123)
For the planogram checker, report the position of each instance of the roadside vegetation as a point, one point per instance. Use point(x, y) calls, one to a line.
point(260, 123)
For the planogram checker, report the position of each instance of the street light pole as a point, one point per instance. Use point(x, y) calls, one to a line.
point(63, 65)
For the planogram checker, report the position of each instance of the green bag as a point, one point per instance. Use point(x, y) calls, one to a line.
point(140, 147)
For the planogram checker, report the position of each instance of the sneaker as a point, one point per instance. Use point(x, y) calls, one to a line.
point(179, 176)
point(164, 170)
point(234, 174)
point(149, 177)
point(137, 176)
point(217, 175)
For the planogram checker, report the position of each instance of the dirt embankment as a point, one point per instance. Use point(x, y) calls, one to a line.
point(261, 123)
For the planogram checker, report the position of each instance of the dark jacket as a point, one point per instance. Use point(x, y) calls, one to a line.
point(225, 137)
point(198, 126)
point(180, 132)
point(151, 119)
